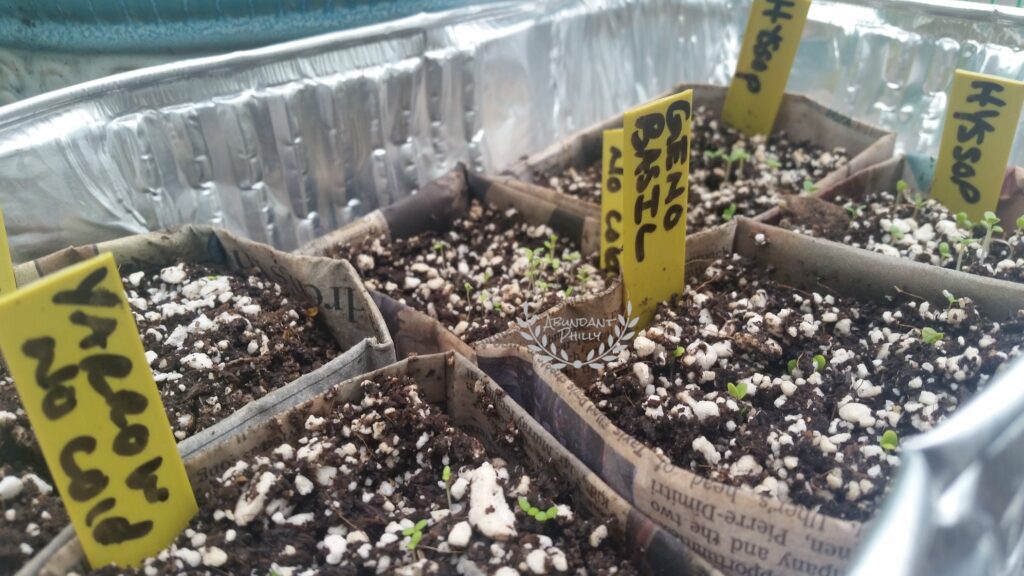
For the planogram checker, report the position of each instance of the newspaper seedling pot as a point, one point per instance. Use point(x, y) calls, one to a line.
point(727, 364)
point(467, 256)
point(445, 412)
point(884, 209)
point(730, 175)
point(206, 316)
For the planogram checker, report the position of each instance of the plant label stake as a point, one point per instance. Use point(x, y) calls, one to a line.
point(656, 184)
point(611, 199)
point(981, 120)
point(74, 351)
point(769, 48)
point(7, 284)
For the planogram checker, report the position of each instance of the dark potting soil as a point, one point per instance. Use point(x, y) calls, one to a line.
point(918, 229)
point(350, 496)
point(477, 278)
point(720, 188)
point(216, 340)
point(750, 382)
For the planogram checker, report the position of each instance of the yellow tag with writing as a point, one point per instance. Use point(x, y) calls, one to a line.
point(7, 284)
point(74, 351)
point(656, 138)
point(611, 199)
point(981, 120)
point(769, 48)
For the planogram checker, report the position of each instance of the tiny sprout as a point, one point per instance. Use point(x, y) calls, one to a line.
point(468, 288)
point(679, 351)
point(439, 246)
point(991, 223)
point(1020, 223)
point(896, 232)
point(737, 391)
point(809, 187)
point(944, 250)
point(901, 186)
point(949, 298)
point(415, 534)
point(890, 441)
point(930, 336)
point(791, 365)
point(819, 362)
point(854, 209)
point(446, 476)
point(963, 222)
point(536, 513)
point(773, 162)
point(497, 306)
point(729, 212)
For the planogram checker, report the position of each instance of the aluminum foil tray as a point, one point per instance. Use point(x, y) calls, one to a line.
point(285, 143)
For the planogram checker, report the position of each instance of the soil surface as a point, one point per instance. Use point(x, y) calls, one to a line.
point(797, 394)
point(215, 340)
point(775, 167)
point(490, 269)
point(351, 495)
point(922, 230)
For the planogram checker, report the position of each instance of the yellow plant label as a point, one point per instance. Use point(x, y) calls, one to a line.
point(74, 351)
point(7, 284)
point(981, 120)
point(656, 138)
point(769, 48)
point(611, 199)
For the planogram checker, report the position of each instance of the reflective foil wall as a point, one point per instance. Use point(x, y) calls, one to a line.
point(284, 143)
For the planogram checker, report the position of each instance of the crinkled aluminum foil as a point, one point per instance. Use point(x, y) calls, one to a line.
point(286, 143)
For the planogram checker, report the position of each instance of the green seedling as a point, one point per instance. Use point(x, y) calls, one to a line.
point(963, 222)
point(497, 306)
point(536, 513)
point(1020, 224)
point(962, 245)
point(729, 212)
point(896, 233)
point(439, 247)
point(415, 534)
point(944, 253)
point(469, 290)
point(773, 162)
point(890, 441)
point(737, 391)
point(809, 187)
point(949, 298)
point(446, 476)
point(854, 209)
point(791, 365)
point(738, 158)
point(930, 336)
point(901, 191)
point(991, 223)
point(819, 362)
point(679, 351)
point(567, 292)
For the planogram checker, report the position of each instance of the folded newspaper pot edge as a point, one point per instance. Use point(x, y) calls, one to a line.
point(369, 343)
point(579, 424)
point(453, 382)
point(800, 116)
point(885, 175)
point(414, 331)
